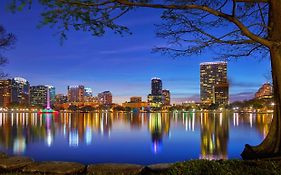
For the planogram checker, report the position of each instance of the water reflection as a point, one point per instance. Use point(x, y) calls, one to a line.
point(19, 130)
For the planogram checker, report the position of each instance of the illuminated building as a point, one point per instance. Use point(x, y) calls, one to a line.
point(155, 98)
point(156, 86)
point(221, 93)
point(38, 95)
point(88, 92)
point(75, 93)
point(5, 92)
point(20, 91)
point(89, 95)
point(265, 91)
point(105, 97)
point(213, 83)
point(135, 105)
point(166, 97)
point(52, 93)
point(60, 98)
point(135, 99)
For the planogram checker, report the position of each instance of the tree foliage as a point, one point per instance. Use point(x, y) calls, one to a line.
point(7, 41)
point(229, 28)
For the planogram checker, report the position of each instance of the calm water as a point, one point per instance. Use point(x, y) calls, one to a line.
point(130, 138)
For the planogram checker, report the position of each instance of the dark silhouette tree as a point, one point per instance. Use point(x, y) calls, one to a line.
point(229, 28)
point(7, 41)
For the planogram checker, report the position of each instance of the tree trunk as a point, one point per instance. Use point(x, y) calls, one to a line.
point(271, 145)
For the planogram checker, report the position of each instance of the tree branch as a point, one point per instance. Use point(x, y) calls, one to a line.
point(212, 11)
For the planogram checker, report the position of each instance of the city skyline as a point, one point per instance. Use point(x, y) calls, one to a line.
point(124, 66)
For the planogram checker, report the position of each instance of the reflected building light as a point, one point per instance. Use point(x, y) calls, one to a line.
point(186, 125)
point(49, 138)
point(189, 124)
point(26, 123)
point(235, 119)
point(73, 138)
point(193, 122)
point(220, 119)
point(88, 135)
point(251, 120)
point(17, 119)
point(1, 119)
point(41, 121)
point(12, 119)
point(101, 125)
point(157, 146)
point(64, 130)
point(19, 145)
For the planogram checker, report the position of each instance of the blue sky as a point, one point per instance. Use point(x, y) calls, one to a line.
point(123, 65)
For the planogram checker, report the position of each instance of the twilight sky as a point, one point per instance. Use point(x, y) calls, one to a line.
point(123, 65)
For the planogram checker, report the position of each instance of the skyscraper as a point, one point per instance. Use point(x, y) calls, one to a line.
point(105, 97)
point(76, 93)
point(166, 97)
point(38, 95)
point(155, 98)
point(5, 92)
point(213, 83)
point(20, 91)
point(156, 86)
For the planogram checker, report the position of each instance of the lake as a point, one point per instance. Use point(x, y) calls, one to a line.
point(141, 138)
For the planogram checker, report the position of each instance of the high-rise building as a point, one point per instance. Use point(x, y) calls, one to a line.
point(105, 97)
point(213, 83)
point(166, 97)
point(155, 98)
point(265, 91)
point(5, 92)
point(52, 93)
point(156, 86)
point(38, 95)
point(75, 93)
point(20, 91)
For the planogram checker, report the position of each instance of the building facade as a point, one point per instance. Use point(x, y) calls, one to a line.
point(265, 92)
point(38, 95)
point(155, 98)
point(75, 93)
point(5, 93)
point(213, 83)
point(105, 98)
point(135, 99)
point(166, 97)
point(60, 99)
point(20, 92)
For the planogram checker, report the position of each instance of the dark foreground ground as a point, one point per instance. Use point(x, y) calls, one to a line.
point(26, 166)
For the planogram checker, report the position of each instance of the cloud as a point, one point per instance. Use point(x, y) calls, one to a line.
point(241, 96)
point(239, 84)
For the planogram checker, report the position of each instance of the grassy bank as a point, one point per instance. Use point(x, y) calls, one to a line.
point(230, 167)
point(197, 167)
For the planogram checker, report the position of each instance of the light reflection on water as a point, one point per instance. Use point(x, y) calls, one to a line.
point(142, 138)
